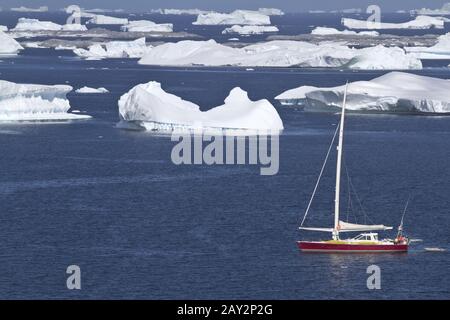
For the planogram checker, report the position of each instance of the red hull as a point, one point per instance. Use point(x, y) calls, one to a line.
point(350, 248)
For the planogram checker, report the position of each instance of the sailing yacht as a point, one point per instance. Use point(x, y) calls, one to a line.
point(367, 242)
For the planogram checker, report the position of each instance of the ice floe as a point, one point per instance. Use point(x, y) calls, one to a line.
point(271, 11)
point(114, 49)
point(3, 28)
point(324, 31)
point(28, 102)
point(394, 92)
point(193, 12)
point(420, 22)
point(250, 30)
point(89, 90)
point(102, 19)
point(149, 106)
point(147, 26)
point(8, 45)
point(279, 54)
point(444, 10)
point(240, 17)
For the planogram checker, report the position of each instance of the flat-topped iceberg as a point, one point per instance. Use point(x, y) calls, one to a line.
point(8, 45)
point(250, 30)
point(150, 107)
point(147, 26)
point(280, 53)
point(102, 19)
point(89, 90)
point(271, 11)
point(441, 50)
point(25, 9)
point(25, 24)
point(194, 12)
point(114, 49)
point(395, 92)
point(242, 17)
point(445, 10)
point(28, 102)
point(420, 22)
point(325, 31)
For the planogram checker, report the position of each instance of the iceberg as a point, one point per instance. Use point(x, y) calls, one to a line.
point(420, 22)
point(25, 9)
point(8, 45)
point(89, 90)
point(242, 17)
point(194, 12)
point(441, 50)
point(279, 53)
point(250, 30)
point(271, 11)
point(147, 26)
point(114, 49)
point(101, 19)
point(3, 28)
point(28, 102)
point(445, 10)
point(25, 24)
point(324, 31)
point(148, 106)
point(394, 92)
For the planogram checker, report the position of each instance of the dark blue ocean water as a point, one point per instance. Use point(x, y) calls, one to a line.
point(112, 202)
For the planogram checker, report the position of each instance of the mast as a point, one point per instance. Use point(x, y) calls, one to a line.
point(338, 169)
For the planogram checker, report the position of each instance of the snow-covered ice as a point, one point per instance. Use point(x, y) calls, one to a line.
point(325, 31)
point(395, 92)
point(194, 12)
point(279, 53)
point(150, 107)
point(25, 24)
point(3, 28)
point(271, 11)
point(444, 10)
point(441, 50)
point(147, 26)
point(27, 102)
point(102, 19)
point(88, 90)
point(241, 17)
point(250, 30)
point(8, 45)
point(420, 22)
point(114, 49)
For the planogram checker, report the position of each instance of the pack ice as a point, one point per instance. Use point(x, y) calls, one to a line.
point(27, 102)
point(8, 45)
point(241, 17)
point(149, 106)
point(280, 53)
point(394, 92)
point(420, 22)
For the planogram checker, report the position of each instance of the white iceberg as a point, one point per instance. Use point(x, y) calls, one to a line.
point(25, 24)
point(101, 19)
point(324, 31)
point(271, 11)
point(3, 28)
point(25, 9)
point(114, 49)
point(149, 106)
point(147, 26)
point(242, 17)
point(420, 22)
point(194, 12)
point(8, 45)
point(445, 10)
point(250, 30)
point(28, 102)
point(89, 90)
point(279, 53)
point(441, 50)
point(395, 92)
